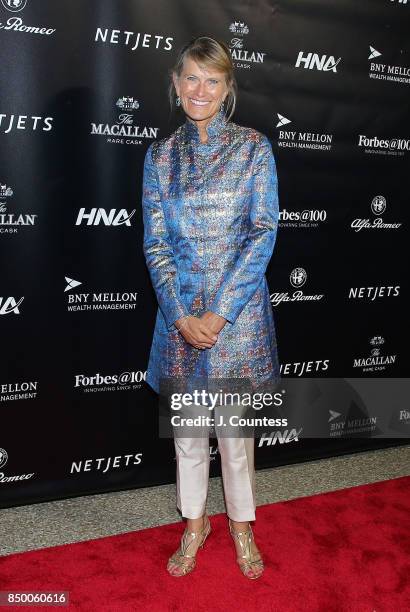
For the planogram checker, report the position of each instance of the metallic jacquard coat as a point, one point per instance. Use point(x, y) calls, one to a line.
point(210, 213)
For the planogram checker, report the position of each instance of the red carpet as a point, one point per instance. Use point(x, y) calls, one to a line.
point(345, 551)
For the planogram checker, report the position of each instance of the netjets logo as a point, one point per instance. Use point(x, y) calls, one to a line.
point(243, 58)
point(400, 1)
point(97, 216)
point(297, 279)
point(294, 139)
point(387, 72)
point(10, 223)
point(103, 464)
point(133, 40)
point(384, 146)
point(375, 362)
point(14, 5)
point(124, 131)
point(378, 207)
point(35, 123)
point(371, 293)
point(10, 305)
point(313, 61)
point(98, 301)
point(283, 437)
point(298, 368)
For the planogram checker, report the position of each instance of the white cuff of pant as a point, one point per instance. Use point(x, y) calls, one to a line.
point(192, 512)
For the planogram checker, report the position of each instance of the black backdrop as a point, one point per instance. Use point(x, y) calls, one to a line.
point(83, 93)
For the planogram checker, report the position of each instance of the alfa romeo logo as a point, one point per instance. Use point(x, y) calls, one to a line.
point(14, 5)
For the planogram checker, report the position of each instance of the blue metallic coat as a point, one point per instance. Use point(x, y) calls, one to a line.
point(210, 213)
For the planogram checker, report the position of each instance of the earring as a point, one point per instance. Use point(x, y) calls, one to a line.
point(222, 107)
point(178, 101)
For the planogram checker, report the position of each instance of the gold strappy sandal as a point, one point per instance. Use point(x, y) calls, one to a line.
point(248, 560)
point(180, 557)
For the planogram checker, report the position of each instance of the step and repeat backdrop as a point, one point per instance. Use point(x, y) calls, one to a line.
point(83, 94)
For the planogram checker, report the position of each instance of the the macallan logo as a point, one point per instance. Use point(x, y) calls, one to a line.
point(10, 305)
point(387, 72)
point(243, 58)
point(378, 207)
point(375, 362)
point(99, 216)
point(11, 222)
point(98, 301)
point(295, 139)
point(310, 61)
point(297, 279)
point(123, 131)
point(127, 103)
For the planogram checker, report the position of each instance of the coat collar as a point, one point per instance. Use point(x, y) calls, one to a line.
point(214, 127)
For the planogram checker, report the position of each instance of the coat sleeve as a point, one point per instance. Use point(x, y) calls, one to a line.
point(241, 281)
point(157, 247)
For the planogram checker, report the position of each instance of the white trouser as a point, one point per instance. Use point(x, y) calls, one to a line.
point(238, 475)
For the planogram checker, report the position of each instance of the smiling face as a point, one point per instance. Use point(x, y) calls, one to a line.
point(201, 91)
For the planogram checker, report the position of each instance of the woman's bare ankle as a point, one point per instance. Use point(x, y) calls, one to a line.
point(196, 524)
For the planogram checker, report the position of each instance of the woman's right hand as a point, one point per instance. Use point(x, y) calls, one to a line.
point(196, 332)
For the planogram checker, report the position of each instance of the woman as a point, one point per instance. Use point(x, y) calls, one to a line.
point(210, 212)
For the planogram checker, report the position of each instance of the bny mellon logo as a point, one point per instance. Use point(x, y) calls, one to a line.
point(373, 53)
point(282, 120)
point(333, 415)
point(71, 283)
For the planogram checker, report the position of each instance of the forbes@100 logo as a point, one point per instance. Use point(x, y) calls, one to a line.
point(125, 381)
point(384, 146)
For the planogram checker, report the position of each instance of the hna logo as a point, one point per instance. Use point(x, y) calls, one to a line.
point(283, 437)
point(324, 63)
point(9, 304)
point(97, 215)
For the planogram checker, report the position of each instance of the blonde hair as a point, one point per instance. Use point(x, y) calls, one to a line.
point(207, 52)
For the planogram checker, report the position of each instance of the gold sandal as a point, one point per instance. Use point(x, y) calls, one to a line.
point(248, 560)
point(180, 556)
